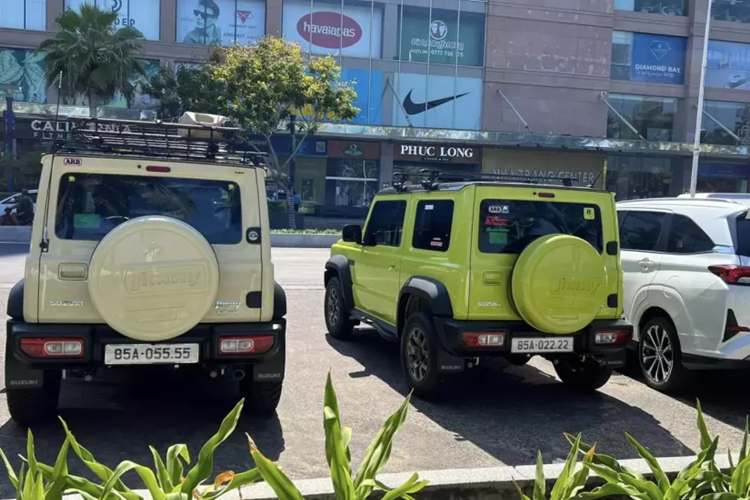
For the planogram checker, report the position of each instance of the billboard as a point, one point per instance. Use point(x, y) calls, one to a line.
point(658, 59)
point(437, 101)
point(444, 38)
point(323, 28)
point(728, 65)
point(23, 14)
point(369, 88)
point(24, 68)
point(220, 22)
point(140, 14)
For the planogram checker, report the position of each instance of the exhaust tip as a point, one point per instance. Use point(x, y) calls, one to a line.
point(238, 374)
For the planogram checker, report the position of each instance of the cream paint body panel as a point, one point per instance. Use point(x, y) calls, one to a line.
point(241, 265)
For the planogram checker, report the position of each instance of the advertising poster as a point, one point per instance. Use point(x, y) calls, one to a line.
point(658, 59)
point(728, 65)
point(731, 10)
point(369, 88)
point(23, 14)
point(220, 22)
point(441, 40)
point(325, 30)
point(140, 14)
point(24, 68)
point(437, 102)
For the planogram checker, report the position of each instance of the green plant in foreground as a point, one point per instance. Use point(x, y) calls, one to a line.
point(346, 487)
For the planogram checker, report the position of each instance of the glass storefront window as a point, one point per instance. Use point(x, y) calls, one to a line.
point(442, 36)
point(723, 177)
point(652, 117)
point(140, 100)
point(220, 22)
point(634, 177)
point(642, 57)
point(24, 68)
point(733, 115)
point(728, 65)
point(664, 7)
point(23, 14)
point(731, 10)
point(143, 15)
point(351, 182)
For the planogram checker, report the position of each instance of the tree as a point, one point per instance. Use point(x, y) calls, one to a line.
point(96, 60)
point(262, 88)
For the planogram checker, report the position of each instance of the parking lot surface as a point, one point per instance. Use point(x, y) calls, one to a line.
point(502, 415)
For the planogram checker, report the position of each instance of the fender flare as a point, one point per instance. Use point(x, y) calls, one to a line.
point(279, 301)
point(15, 301)
point(339, 265)
point(432, 291)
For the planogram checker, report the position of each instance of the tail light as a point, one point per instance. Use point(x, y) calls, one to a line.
point(246, 344)
point(611, 337)
point(732, 275)
point(484, 339)
point(52, 347)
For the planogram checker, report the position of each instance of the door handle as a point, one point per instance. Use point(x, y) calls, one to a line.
point(646, 264)
point(392, 265)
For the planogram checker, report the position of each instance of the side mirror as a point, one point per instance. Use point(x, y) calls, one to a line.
point(352, 233)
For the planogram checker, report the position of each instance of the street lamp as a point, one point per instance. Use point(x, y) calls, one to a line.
point(9, 120)
point(699, 117)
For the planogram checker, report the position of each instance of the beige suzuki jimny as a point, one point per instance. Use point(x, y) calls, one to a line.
point(150, 246)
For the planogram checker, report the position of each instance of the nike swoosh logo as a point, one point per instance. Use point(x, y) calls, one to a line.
point(413, 108)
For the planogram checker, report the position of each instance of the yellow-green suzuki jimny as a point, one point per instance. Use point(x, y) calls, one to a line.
point(460, 271)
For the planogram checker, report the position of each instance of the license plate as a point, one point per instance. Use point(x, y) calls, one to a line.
point(150, 354)
point(541, 345)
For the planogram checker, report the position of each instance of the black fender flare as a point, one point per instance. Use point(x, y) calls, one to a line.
point(279, 301)
point(15, 301)
point(430, 290)
point(338, 265)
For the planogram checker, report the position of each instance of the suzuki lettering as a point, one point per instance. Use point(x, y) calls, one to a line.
point(329, 29)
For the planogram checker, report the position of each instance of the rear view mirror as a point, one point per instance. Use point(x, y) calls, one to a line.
point(352, 233)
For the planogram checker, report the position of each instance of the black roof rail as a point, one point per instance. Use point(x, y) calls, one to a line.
point(433, 179)
point(159, 139)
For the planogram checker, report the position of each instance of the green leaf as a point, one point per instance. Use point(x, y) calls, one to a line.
point(174, 465)
point(741, 478)
point(705, 436)
point(59, 477)
point(608, 490)
point(661, 478)
point(540, 484)
point(743, 448)
point(30, 455)
point(337, 450)
point(161, 471)
point(677, 489)
point(146, 475)
point(239, 480)
point(205, 465)
point(563, 480)
point(79, 484)
point(276, 479)
point(412, 485)
point(520, 492)
point(580, 477)
point(721, 496)
point(11, 473)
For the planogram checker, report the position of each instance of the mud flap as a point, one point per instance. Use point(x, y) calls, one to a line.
point(614, 360)
point(18, 375)
point(272, 369)
point(447, 363)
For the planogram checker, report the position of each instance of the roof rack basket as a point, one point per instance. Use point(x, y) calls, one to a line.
point(430, 179)
point(194, 140)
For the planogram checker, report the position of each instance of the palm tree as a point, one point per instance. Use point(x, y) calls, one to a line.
point(96, 60)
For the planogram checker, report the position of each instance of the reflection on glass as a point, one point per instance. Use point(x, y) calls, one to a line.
point(23, 14)
point(652, 117)
point(639, 177)
point(353, 183)
point(731, 10)
point(663, 7)
point(733, 115)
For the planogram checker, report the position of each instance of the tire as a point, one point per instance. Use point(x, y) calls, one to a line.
point(261, 398)
point(419, 344)
point(36, 406)
point(660, 356)
point(588, 375)
point(337, 317)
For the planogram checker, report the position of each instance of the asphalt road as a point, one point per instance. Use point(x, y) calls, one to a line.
point(500, 416)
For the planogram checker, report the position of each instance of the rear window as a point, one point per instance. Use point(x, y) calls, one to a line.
point(509, 226)
point(91, 205)
point(743, 237)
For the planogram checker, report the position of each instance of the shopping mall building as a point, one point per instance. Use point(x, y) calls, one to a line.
point(542, 88)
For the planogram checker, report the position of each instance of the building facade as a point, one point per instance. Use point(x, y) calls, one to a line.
point(513, 87)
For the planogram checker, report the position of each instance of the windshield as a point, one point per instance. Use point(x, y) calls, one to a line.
point(743, 237)
point(509, 226)
point(91, 205)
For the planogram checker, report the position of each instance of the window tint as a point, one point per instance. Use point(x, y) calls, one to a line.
point(432, 229)
point(641, 230)
point(743, 236)
point(91, 205)
point(686, 237)
point(509, 226)
point(386, 223)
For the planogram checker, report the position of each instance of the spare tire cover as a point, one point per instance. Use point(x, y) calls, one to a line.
point(153, 278)
point(559, 284)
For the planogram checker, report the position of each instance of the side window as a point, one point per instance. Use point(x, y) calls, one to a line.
point(386, 223)
point(432, 228)
point(686, 237)
point(621, 214)
point(641, 230)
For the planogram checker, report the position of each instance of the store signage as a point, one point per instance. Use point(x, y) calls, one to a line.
point(326, 29)
point(359, 150)
point(446, 102)
point(724, 171)
point(578, 177)
point(354, 150)
point(282, 145)
point(442, 154)
point(225, 22)
point(143, 15)
point(440, 39)
point(728, 65)
point(58, 130)
point(658, 59)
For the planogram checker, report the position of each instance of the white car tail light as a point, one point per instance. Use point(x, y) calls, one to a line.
point(732, 275)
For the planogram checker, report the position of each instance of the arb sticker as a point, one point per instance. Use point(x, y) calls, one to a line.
point(589, 213)
point(499, 209)
point(72, 161)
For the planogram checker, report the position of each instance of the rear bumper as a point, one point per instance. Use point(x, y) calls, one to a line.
point(19, 367)
point(451, 331)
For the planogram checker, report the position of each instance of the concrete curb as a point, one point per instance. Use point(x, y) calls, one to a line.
point(492, 483)
point(13, 234)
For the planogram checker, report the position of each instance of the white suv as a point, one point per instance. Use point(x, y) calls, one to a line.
point(686, 263)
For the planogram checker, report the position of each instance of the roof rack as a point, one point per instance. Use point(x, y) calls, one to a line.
point(186, 141)
point(433, 179)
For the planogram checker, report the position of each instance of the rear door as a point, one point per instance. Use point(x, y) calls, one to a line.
point(509, 219)
point(221, 202)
